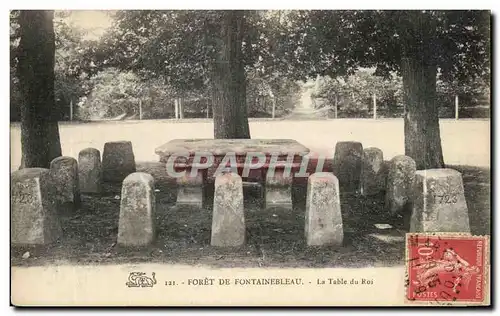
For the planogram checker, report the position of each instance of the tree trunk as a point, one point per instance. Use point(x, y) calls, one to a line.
point(336, 105)
point(418, 66)
point(229, 80)
point(181, 107)
point(39, 128)
point(421, 122)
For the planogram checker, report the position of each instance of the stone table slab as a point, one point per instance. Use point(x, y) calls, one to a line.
point(273, 149)
point(221, 147)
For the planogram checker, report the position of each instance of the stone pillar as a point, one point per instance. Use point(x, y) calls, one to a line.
point(323, 221)
point(347, 164)
point(439, 202)
point(228, 220)
point(372, 177)
point(33, 208)
point(136, 225)
point(278, 189)
point(118, 161)
point(90, 171)
point(64, 172)
point(190, 188)
point(399, 184)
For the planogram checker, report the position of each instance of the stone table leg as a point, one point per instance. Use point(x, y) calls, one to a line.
point(278, 189)
point(190, 188)
point(255, 181)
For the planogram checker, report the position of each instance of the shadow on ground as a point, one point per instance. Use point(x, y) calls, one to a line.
point(275, 237)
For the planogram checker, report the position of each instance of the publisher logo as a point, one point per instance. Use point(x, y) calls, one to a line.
point(139, 279)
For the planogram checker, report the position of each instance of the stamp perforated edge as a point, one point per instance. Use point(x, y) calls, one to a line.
point(486, 269)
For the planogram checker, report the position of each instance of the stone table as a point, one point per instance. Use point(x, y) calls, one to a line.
point(208, 154)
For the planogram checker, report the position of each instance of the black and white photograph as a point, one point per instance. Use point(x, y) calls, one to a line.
point(243, 157)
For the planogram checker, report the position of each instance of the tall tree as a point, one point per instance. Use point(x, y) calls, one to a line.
point(228, 79)
point(36, 57)
point(73, 66)
point(416, 44)
point(191, 50)
point(419, 69)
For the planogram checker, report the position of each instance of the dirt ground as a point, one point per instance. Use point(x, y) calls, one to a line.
point(275, 237)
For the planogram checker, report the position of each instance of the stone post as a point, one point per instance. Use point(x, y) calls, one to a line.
point(347, 164)
point(372, 178)
point(136, 225)
point(90, 170)
point(228, 220)
point(323, 221)
point(118, 161)
point(439, 202)
point(64, 172)
point(33, 208)
point(399, 184)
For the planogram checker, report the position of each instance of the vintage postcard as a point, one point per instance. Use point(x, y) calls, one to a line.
point(250, 157)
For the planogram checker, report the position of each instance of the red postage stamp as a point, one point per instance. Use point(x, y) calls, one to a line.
point(447, 268)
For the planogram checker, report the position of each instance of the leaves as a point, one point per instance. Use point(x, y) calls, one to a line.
point(355, 92)
point(116, 92)
point(177, 48)
point(338, 42)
